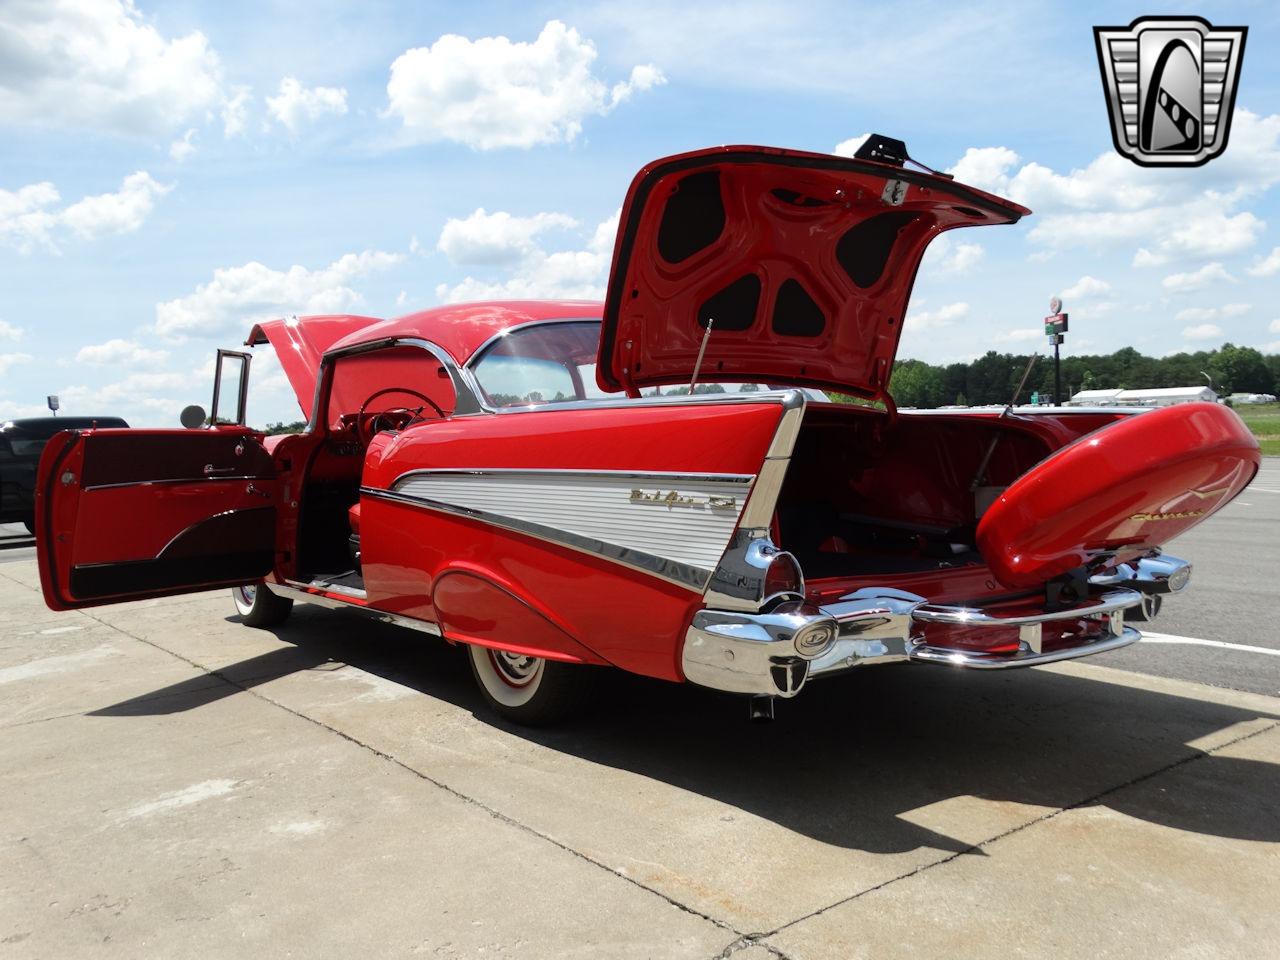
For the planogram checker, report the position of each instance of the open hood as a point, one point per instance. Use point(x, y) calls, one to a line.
point(300, 344)
point(802, 262)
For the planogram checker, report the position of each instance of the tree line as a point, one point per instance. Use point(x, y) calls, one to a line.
point(993, 377)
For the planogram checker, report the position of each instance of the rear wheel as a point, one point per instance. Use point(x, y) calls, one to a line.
point(529, 690)
point(259, 607)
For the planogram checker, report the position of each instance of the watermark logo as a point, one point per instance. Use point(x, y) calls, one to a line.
point(1171, 86)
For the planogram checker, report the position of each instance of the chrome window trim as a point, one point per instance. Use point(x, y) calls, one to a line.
point(477, 356)
point(682, 575)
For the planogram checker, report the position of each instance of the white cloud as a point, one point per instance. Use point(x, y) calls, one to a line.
point(235, 111)
point(10, 332)
point(401, 298)
point(1268, 266)
point(1224, 312)
point(1086, 287)
point(28, 217)
point(1203, 331)
point(8, 360)
point(847, 148)
point(945, 255)
point(1113, 203)
point(1197, 279)
point(183, 149)
point(237, 296)
point(492, 92)
point(1272, 347)
point(100, 64)
point(496, 238)
point(121, 212)
point(563, 274)
point(120, 352)
point(295, 104)
point(1274, 325)
point(933, 319)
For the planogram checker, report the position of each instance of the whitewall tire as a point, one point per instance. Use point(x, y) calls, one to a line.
point(259, 607)
point(529, 690)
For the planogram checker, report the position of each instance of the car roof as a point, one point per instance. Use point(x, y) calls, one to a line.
point(463, 328)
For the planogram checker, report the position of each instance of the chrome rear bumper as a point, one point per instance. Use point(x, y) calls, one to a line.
point(774, 654)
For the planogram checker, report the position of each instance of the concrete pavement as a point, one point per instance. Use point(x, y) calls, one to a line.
point(176, 784)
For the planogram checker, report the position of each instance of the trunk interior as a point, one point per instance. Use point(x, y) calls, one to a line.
point(870, 494)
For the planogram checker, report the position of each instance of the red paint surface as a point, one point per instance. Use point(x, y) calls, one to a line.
point(1190, 458)
point(301, 342)
point(651, 333)
point(129, 521)
point(620, 616)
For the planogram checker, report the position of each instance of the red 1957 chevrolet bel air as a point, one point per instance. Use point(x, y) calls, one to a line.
point(505, 475)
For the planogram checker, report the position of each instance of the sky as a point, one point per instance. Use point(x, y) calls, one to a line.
point(172, 172)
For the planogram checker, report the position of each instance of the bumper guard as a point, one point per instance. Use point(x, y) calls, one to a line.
point(773, 654)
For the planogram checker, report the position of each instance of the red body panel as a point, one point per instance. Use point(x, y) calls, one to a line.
point(300, 344)
point(134, 513)
point(1131, 487)
point(804, 261)
point(590, 608)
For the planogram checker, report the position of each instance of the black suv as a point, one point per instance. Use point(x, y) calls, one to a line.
point(21, 442)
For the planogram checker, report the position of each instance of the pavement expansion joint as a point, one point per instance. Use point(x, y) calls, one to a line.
point(979, 847)
point(452, 791)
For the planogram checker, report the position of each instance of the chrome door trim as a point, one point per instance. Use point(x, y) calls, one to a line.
point(663, 475)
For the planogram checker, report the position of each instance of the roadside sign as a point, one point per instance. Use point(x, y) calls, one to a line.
point(52, 400)
point(1055, 324)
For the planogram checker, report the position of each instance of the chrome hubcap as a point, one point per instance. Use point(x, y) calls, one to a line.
point(515, 669)
point(248, 594)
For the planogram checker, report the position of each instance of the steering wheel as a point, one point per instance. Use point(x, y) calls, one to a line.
point(368, 424)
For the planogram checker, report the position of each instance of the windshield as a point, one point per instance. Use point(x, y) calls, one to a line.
point(543, 363)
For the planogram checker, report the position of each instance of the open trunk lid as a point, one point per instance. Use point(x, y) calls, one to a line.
point(802, 262)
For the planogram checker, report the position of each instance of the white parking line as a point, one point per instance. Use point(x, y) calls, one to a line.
point(1194, 641)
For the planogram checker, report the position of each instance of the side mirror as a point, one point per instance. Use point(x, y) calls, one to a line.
point(193, 417)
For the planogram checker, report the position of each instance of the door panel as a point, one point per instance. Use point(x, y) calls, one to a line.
point(126, 514)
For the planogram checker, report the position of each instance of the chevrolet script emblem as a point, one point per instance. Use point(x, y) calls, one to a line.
point(1171, 86)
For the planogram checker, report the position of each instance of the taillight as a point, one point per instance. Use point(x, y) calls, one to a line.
point(783, 576)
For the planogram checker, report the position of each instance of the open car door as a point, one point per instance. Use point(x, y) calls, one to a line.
point(126, 514)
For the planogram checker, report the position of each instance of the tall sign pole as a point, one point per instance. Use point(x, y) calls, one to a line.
point(1055, 325)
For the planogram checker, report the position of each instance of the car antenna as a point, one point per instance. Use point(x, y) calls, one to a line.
point(697, 365)
point(991, 447)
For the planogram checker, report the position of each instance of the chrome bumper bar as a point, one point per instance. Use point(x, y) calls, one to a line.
point(774, 654)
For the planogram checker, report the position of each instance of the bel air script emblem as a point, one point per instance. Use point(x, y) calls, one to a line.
point(673, 498)
point(1171, 87)
point(1150, 517)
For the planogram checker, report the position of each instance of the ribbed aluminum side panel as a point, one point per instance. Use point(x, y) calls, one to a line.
point(600, 507)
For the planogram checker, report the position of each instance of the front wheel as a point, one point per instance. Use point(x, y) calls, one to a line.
point(259, 607)
point(530, 690)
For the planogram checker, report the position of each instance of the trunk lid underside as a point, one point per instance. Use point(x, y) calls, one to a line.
point(802, 262)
